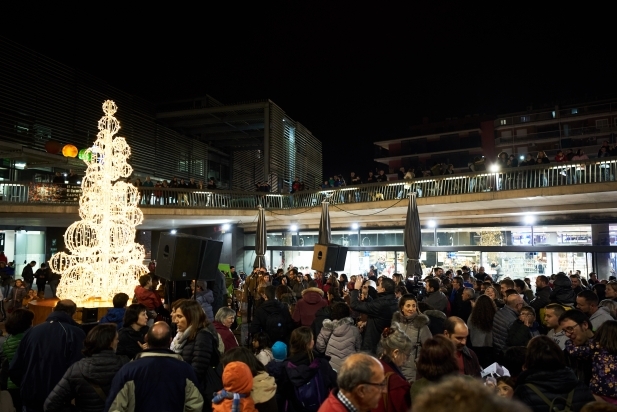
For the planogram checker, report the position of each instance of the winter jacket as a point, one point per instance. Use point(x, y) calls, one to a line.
point(543, 298)
point(44, 354)
point(306, 308)
point(519, 334)
point(9, 347)
point(114, 315)
point(203, 355)
point(265, 356)
point(134, 388)
point(471, 364)
point(599, 317)
point(99, 369)
point(298, 287)
point(227, 335)
point(320, 317)
point(260, 321)
point(504, 318)
point(379, 312)
point(398, 399)
point(552, 384)
point(437, 300)
point(299, 373)
point(147, 297)
point(338, 339)
point(333, 404)
point(562, 291)
point(128, 341)
point(416, 328)
point(17, 296)
point(205, 298)
point(264, 392)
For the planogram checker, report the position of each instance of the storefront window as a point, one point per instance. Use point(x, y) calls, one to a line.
point(381, 237)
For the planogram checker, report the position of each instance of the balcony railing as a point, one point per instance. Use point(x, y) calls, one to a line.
point(547, 175)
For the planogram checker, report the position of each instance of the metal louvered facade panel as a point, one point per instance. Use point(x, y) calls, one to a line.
point(248, 169)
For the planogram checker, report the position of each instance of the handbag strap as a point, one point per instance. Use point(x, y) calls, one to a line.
point(550, 403)
point(99, 391)
point(384, 395)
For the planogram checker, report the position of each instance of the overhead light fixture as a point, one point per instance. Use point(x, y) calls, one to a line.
point(20, 166)
point(293, 228)
point(493, 168)
point(431, 223)
point(530, 219)
point(226, 227)
point(522, 157)
point(355, 226)
point(173, 231)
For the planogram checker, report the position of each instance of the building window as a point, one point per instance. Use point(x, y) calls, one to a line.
point(602, 123)
point(574, 111)
point(502, 122)
point(525, 119)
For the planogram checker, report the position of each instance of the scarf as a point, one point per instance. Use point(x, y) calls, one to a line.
point(180, 340)
point(223, 394)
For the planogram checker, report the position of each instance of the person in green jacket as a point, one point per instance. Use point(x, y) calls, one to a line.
point(18, 322)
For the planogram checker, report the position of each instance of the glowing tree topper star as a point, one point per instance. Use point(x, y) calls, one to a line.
point(103, 259)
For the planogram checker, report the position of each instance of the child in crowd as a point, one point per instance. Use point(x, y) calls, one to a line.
point(261, 348)
point(116, 314)
point(236, 395)
point(29, 298)
point(505, 386)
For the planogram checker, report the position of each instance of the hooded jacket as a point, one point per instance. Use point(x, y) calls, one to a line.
point(266, 310)
point(76, 383)
point(599, 317)
point(562, 291)
point(543, 298)
point(237, 379)
point(437, 300)
point(147, 297)
point(114, 315)
point(306, 308)
point(379, 312)
point(416, 328)
point(264, 392)
point(437, 319)
point(552, 384)
point(338, 339)
point(205, 298)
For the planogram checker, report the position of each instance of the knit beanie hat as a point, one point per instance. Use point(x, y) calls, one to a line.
point(279, 351)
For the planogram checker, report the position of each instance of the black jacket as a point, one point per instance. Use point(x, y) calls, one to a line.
point(128, 339)
point(203, 355)
point(267, 309)
point(562, 291)
point(552, 384)
point(27, 274)
point(289, 378)
point(321, 315)
point(99, 369)
point(379, 312)
point(543, 298)
point(43, 356)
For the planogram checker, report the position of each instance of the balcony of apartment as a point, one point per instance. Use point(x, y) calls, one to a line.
point(558, 192)
point(567, 113)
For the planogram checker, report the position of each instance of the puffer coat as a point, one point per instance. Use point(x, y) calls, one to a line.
point(417, 329)
point(99, 369)
point(338, 339)
point(203, 355)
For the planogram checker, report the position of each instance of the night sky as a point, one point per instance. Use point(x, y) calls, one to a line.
point(352, 74)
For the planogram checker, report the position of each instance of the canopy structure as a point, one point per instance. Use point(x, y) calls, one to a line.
point(261, 242)
point(413, 237)
point(325, 230)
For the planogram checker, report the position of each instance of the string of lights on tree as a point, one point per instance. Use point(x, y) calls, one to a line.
point(104, 259)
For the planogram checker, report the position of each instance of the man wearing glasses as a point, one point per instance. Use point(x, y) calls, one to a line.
point(577, 327)
point(361, 383)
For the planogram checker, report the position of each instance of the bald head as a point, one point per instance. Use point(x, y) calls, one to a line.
point(354, 380)
point(66, 306)
point(159, 336)
point(515, 302)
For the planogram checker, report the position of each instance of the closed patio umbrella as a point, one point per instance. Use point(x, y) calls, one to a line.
point(413, 237)
point(261, 242)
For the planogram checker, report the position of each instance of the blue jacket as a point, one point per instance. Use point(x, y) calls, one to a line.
point(157, 380)
point(114, 315)
point(43, 356)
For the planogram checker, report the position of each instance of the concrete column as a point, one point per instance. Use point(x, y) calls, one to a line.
point(601, 261)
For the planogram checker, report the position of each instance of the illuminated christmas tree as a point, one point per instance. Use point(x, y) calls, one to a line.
point(103, 259)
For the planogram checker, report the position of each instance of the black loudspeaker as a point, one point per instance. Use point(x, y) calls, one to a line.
point(186, 257)
point(328, 257)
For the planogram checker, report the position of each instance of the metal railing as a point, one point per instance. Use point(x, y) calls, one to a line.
point(546, 175)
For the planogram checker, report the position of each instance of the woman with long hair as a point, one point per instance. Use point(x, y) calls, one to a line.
point(395, 348)
point(300, 369)
point(546, 377)
point(415, 325)
point(264, 386)
point(88, 380)
point(480, 325)
point(437, 360)
point(196, 341)
point(491, 292)
point(342, 280)
point(262, 348)
point(131, 337)
point(602, 351)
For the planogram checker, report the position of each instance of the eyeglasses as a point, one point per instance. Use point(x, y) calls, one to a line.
point(382, 384)
point(569, 329)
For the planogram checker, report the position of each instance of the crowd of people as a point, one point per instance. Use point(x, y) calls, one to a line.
point(454, 340)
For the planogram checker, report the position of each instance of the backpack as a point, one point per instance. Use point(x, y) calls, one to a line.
point(551, 404)
point(276, 327)
point(312, 393)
